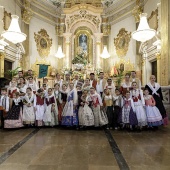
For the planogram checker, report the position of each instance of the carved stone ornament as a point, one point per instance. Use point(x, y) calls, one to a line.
point(122, 42)
point(6, 20)
point(26, 15)
point(83, 15)
point(43, 43)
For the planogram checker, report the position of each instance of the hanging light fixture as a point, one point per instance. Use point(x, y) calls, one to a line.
point(144, 32)
point(14, 34)
point(59, 53)
point(3, 44)
point(105, 53)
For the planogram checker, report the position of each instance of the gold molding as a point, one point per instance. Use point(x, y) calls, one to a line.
point(43, 43)
point(153, 20)
point(122, 42)
point(6, 20)
point(26, 15)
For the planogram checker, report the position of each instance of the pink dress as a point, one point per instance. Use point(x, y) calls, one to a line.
point(154, 117)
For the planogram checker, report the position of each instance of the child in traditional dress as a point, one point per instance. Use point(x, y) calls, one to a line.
point(100, 117)
point(128, 112)
point(108, 103)
point(39, 107)
point(85, 114)
point(4, 105)
point(154, 117)
point(14, 116)
point(22, 86)
point(70, 111)
point(117, 98)
point(139, 103)
point(56, 95)
point(11, 90)
point(28, 108)
point(51, 112)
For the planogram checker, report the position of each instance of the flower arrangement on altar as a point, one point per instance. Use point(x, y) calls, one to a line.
point(80, 60)
point(97, 71)
point(66, 70)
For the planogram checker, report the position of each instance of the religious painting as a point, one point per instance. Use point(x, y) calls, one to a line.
point(43, 42)
point(83, 39)
point(121, 42)
point(83, 42)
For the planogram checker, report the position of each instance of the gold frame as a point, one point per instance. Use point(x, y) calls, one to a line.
point(153, 20)
point(88, 33)
point(122, 42)
point(43, 37)
point(6, 20)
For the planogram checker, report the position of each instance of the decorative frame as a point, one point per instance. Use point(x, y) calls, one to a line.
point(43, 43)
point(6, 20)
point(153, 20)
point(122, 42)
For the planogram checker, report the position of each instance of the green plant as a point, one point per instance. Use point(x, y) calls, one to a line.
point(12, 73)
point(119, 78)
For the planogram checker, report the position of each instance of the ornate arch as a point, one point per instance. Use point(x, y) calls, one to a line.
point(81, 16)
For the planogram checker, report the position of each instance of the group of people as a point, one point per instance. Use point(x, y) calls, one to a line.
point(82, 103)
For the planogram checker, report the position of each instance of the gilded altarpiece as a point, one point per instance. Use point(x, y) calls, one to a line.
point(83, 39)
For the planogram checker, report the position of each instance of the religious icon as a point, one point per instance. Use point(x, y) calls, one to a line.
point(83, 42)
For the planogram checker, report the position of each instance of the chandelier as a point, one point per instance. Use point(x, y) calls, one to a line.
point(59, 53)
point(14, 34)
point(105, 53)
point(144, 32)
point(3, 44)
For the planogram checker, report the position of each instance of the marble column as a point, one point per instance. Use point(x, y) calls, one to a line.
point(2, 56)
point(165, 38)
point(67, 60)
point(158, 57)
point(98, 62)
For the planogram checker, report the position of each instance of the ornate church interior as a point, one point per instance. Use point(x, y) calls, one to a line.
point(99, 60)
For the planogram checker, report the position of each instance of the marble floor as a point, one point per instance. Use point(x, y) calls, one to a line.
point(64, 149)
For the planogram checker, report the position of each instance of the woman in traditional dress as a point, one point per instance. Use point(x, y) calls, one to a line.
point(57, 94)
point(22, 86)
point(100, 117)
point(126, 85)
point(12, 90)
point(139, 103)
point(58, 80)
point(155, 90)
point(108, 104)
point(128, 112)
point(51, 112)
point(14, 116)
point(70, 111)
point(86, 85)
point(62, 99)
point(154, 117)
point(28, 108)
point(31, 83)
point(85, 114)
point(39, 107)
